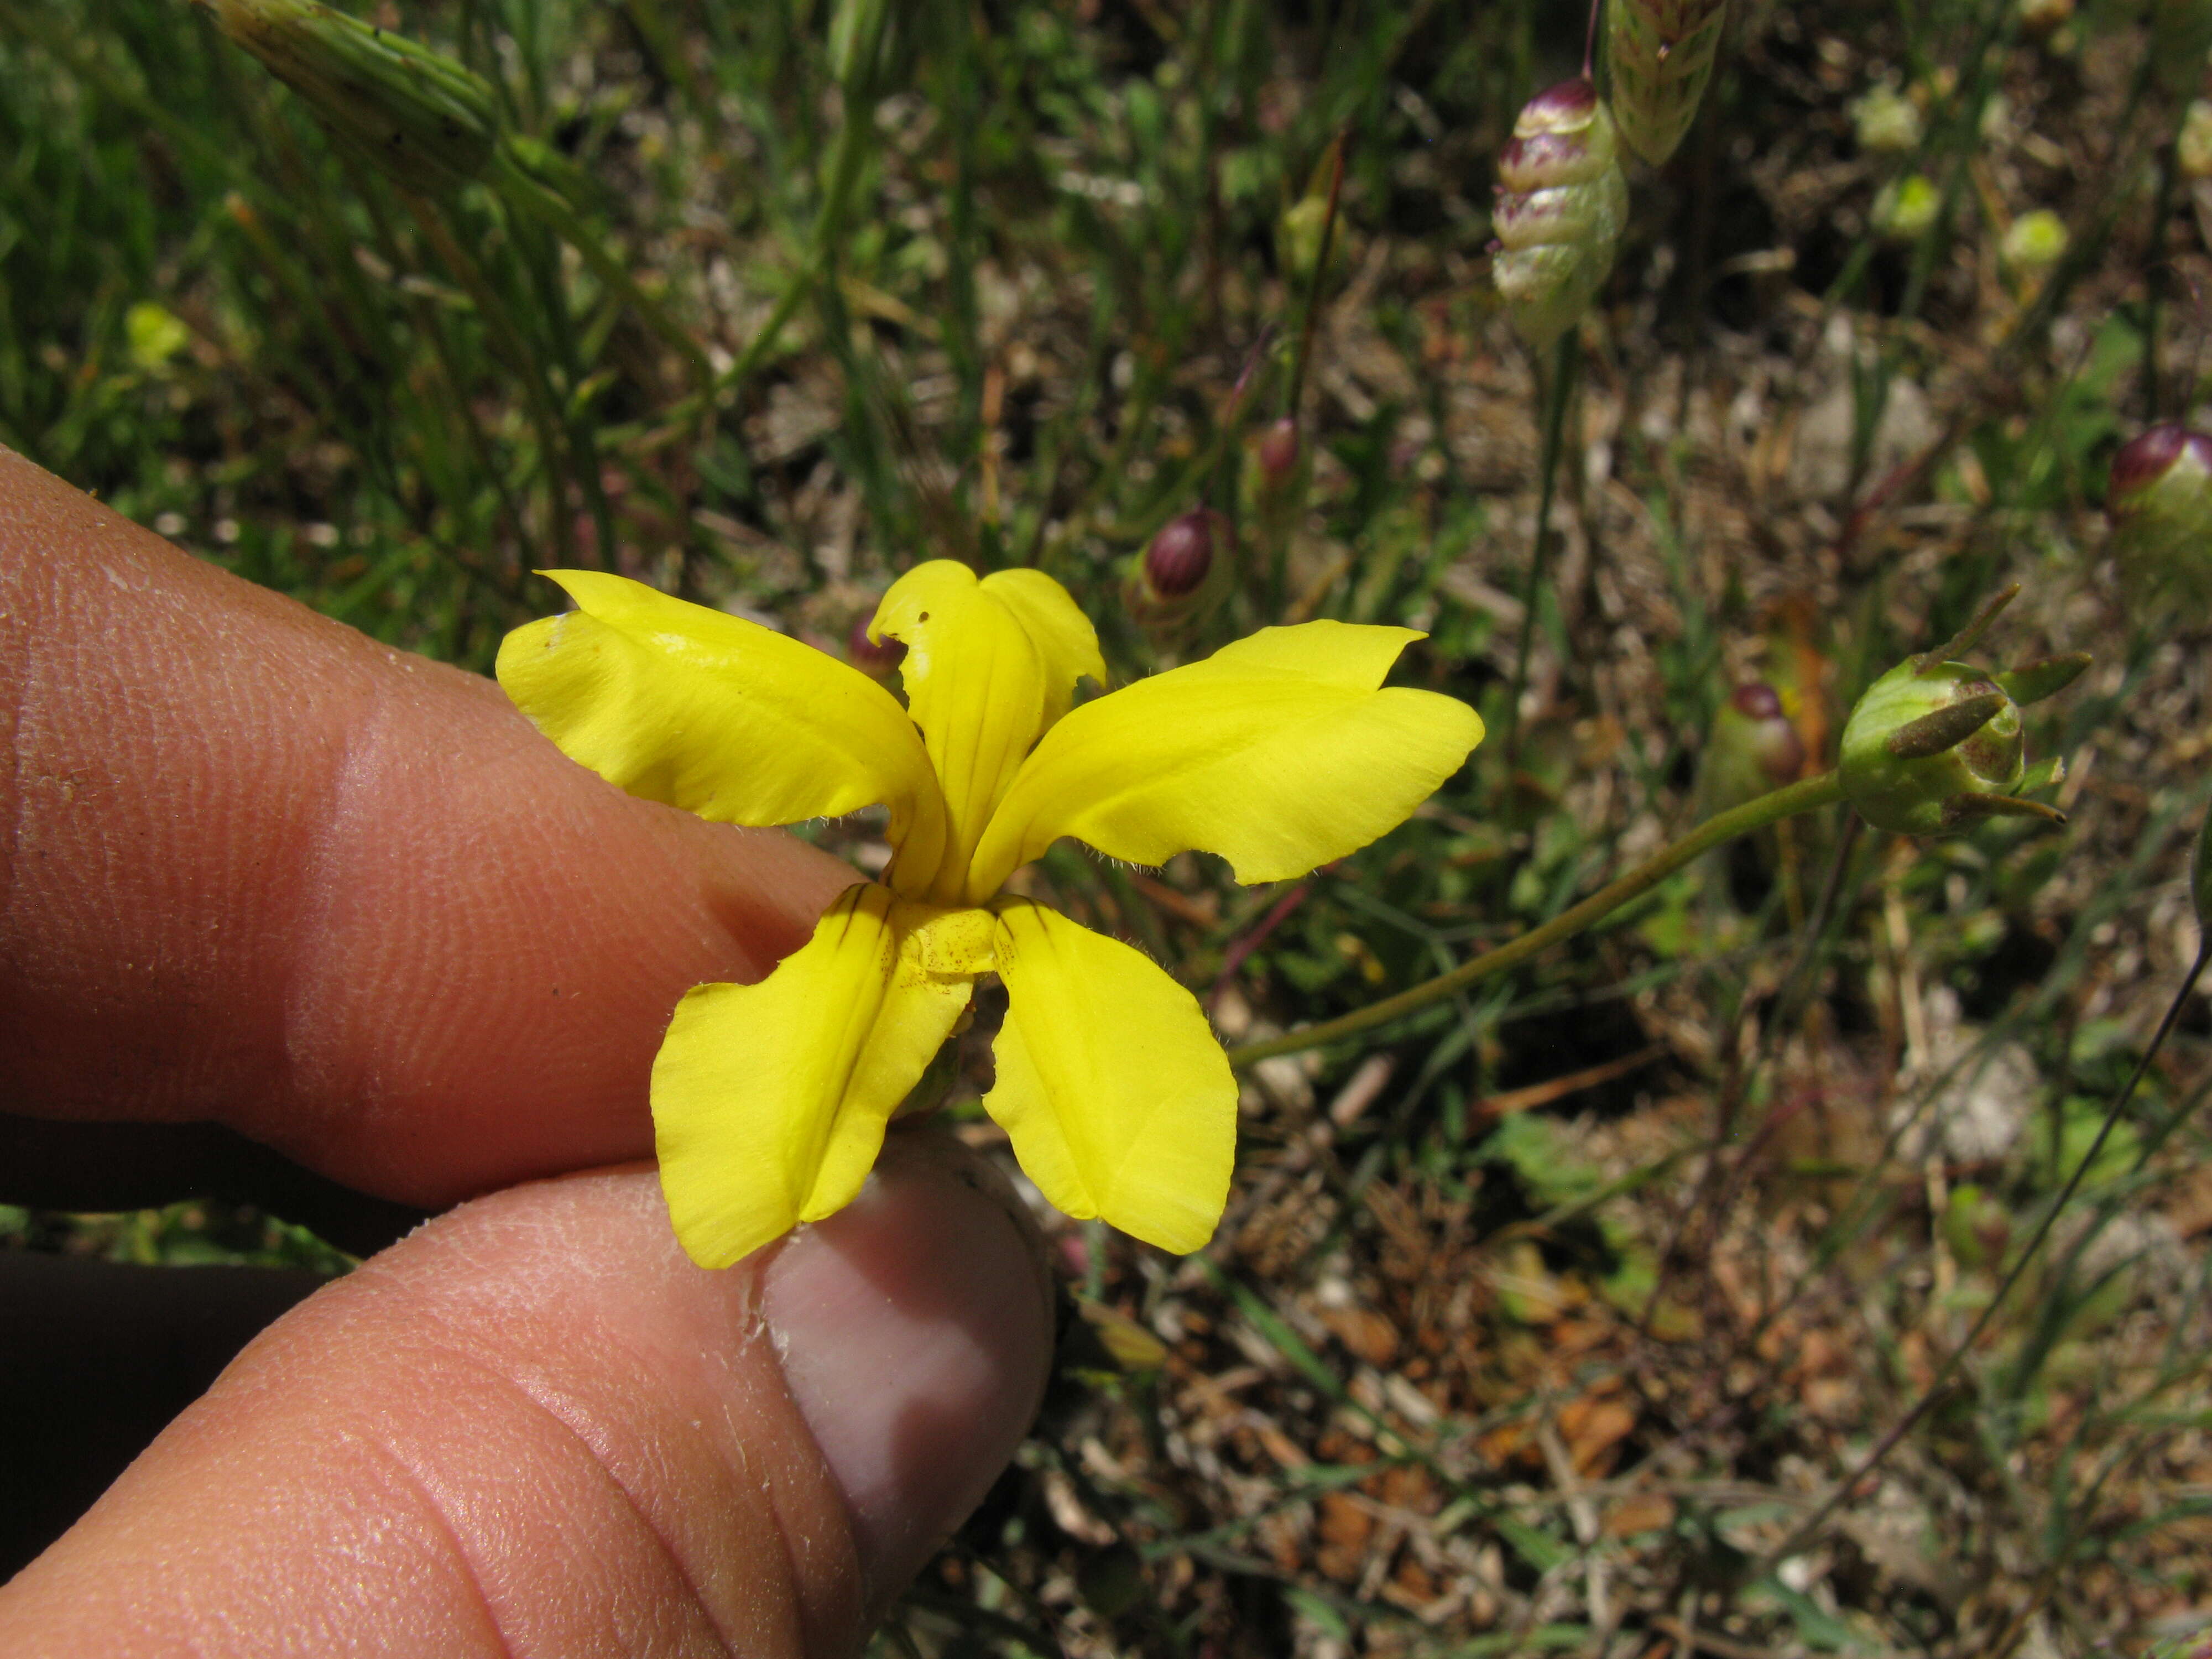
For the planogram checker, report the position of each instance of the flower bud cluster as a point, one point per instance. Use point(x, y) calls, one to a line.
point(1562, 202)
point(428, 122)
point(1936, 745)
point(1660, 53)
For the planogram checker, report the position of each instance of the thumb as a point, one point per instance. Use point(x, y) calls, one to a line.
point(534, 1427)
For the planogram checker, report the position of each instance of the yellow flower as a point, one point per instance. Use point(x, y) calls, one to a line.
point(1279, 753)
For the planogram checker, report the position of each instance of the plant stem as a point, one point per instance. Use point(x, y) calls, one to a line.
point(1809, 1529)
point(527, 195)
point(1556, 395)
point(1807, 797)
point(1296, 392)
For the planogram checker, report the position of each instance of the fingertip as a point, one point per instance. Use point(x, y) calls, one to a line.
point(915, 1332)
point(534, 1422)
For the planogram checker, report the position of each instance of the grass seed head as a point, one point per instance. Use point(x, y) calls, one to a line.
point(1660, 56)
point(427, 121)
point(1562, 202)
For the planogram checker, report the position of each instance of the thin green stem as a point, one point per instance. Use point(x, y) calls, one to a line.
point(507, 340)
point(528, 196)
point(1809, 1529)
point(848, 152)
point(1809, 796)
point(1295, 392)
point(1556, 397)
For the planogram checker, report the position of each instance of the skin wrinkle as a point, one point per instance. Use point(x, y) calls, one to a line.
point(505, 1381)
point(429, 1506)
point(719, 1375)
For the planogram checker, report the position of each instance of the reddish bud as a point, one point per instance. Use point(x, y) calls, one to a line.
point(2160, 501)
point(2145, 460)
point(1757, 700)
point(875, 659)
point(1279, 450)
point(1569, 103)
point(1181, 554)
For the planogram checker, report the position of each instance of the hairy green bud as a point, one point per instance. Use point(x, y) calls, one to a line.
point(1936, 745)
point(1562, 200)
point(1660, 56)
point(427, 120)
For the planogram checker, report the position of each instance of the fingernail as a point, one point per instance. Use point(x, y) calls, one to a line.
point(915, 1331)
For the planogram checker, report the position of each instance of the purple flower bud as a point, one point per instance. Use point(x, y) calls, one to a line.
point(1181, 554)
point(875, 659)
point(1567, 104)
point(1279, 450)
point(1756, 699)
point(2144, 460)
point(2160, 501)
point(1754, 732)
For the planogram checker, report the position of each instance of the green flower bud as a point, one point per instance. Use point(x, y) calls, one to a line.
point(1936, 745)
point(1885, 121)
point(1304, 226)
point(2035, 242)
point(1562, 200)
point(2192, 147)
point(427, 121)
point(2160, 501)
point(1298, 237)
point(1661, 55)
point(1905, 207)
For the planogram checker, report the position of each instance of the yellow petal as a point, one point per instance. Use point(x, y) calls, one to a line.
point(720, 716)
point(1278, 752)
point(989, 666)
point(769, 1100)
point(1116, 1096)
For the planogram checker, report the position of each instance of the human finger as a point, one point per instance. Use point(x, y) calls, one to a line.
point(534, 1426)
point(266, 871)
